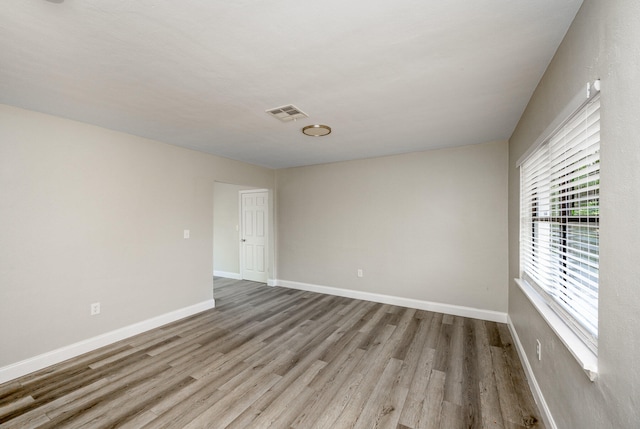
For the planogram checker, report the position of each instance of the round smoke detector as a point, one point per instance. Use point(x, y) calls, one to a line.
point(316, 130)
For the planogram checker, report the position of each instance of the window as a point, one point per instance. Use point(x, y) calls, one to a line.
point(559, 221)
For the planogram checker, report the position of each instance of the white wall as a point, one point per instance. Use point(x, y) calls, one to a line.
point(603, 42)
point(226, 238)
point(429, 226)
point(88, 214)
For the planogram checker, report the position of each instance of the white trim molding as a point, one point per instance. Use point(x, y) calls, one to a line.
point(227, 275)
point(531, 379)
point(587, 360)
point(455, 310)
point(53, 357)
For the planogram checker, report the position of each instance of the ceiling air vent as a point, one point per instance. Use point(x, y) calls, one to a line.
point(287, 113)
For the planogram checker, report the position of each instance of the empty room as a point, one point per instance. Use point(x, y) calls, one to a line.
point(320, 214)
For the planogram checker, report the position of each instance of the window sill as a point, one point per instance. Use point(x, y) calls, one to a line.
point(583, 355)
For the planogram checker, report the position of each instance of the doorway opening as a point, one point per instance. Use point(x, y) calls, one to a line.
point(242, 213)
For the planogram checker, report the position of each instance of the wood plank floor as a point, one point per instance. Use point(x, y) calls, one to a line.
point(280, 358)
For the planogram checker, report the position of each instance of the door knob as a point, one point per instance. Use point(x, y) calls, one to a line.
point(243, 240)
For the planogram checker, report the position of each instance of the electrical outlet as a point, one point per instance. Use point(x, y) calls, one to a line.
point(187, 233)
point(359, 272)
point(538, 349)
point(95, 308)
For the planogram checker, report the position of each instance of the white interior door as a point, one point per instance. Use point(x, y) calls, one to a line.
point(254, 212)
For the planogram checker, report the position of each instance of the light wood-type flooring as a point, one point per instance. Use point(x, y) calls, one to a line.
point(281, 358)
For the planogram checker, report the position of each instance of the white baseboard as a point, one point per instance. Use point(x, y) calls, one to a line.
point(227, 275)
point(53, 357)
point(456, 310)
point(272, 282)
point(533, 383)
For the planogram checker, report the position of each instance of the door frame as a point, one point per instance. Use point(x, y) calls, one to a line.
point(270, 266)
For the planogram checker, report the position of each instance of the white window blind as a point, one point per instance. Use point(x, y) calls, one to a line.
point(559, 227)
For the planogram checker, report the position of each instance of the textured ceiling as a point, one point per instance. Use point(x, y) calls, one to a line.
point(388, 76)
